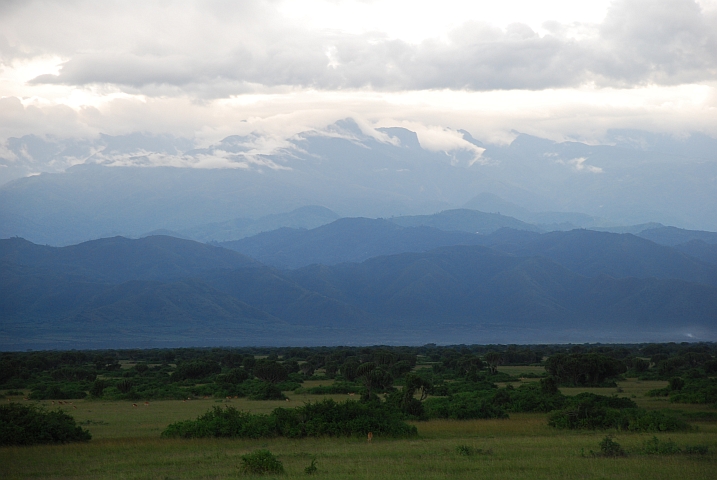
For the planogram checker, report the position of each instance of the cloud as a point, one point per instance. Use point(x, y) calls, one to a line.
point(580, 165)
point(667, 42)
point(219, 50)
point(217, 159)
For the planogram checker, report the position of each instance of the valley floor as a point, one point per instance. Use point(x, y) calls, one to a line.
point(126, 445)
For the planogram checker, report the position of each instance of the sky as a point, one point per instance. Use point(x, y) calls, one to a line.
point(207, 69)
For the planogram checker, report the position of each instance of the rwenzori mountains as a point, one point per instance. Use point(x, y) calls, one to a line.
point(332, 237)
point(135, 184)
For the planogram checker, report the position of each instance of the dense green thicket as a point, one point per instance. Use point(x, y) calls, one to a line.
point(464, 406)
point(489, 402)
point(264, 373)
point(588, 411)
point(30, 425)
point(326, 418)
point(694, 390)
point(584, 369)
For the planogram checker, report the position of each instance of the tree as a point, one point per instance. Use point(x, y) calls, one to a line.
point(349, 370)
point(307, 369)
point(373, 377)
point(29, 425)
point(493, 359)
point(272, 372)
point(583, 368)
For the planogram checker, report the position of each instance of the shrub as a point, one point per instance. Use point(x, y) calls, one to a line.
point(195, 370)
point(264, 391)
point(676, 383)
point(29, 425)
point(311, 469)
point(530, 398)
point(98, 387)
point(342, 419)
point(260, 462)
point(696, 391)
point(235, 376)
point(224, 422)
point(696, 449)
point(124, 386)
point(463, 406)
point(584, 368)
point(467, 451)
point(588, 411)
point(336, 388)
point(57, 391)
point(655, 421)
point(464, 450)
point(655, 447)
point(610, 448)
point(326, 418)
point(269, 371)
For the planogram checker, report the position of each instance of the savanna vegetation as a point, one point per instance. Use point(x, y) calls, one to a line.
point(441, 412)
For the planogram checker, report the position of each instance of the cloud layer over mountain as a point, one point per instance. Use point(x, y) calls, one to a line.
point(194, 68)
point(215, 50)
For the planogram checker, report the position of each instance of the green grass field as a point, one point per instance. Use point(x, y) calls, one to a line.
point(126, 445)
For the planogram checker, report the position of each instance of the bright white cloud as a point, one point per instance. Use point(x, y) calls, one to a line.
point(210, 69)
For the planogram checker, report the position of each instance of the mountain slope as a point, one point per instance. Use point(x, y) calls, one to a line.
point(453, 294)
point(307, 217)
point(672, 236)
point(482, 285)
point(699, 249)
point(592, 253)
point(464, 220)
point(119, 259)
point(345, 240)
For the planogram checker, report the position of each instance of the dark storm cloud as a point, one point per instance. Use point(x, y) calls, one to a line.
point(639, 42)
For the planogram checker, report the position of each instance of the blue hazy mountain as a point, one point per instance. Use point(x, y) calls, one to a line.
point(524, 287)
point(345, 240)
point(674, 236)
point(308, 217)
point(109, 186)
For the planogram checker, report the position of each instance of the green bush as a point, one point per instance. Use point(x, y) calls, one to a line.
point(532, 397)
point(463, 406)
point(312, 468)
point(464, 450)
point(338, 388)
point(260, 462)
point(656, 421)
point(342, 419)
point(259, 390)
point(224, 422)
point(98, 387)
point(610, 448)
point(326, 418)
point(58, 391)
point(696, 449)
point(655, 447)
point(29, 425)
point(124, 386)
point(196, 370)
point(588, 411)
point(696, 391)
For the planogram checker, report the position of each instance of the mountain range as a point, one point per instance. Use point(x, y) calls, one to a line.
point(62, 192)
point(418, 284)
point(352, 234)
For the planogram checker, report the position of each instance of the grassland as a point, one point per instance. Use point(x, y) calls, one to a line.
point(126, 445)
